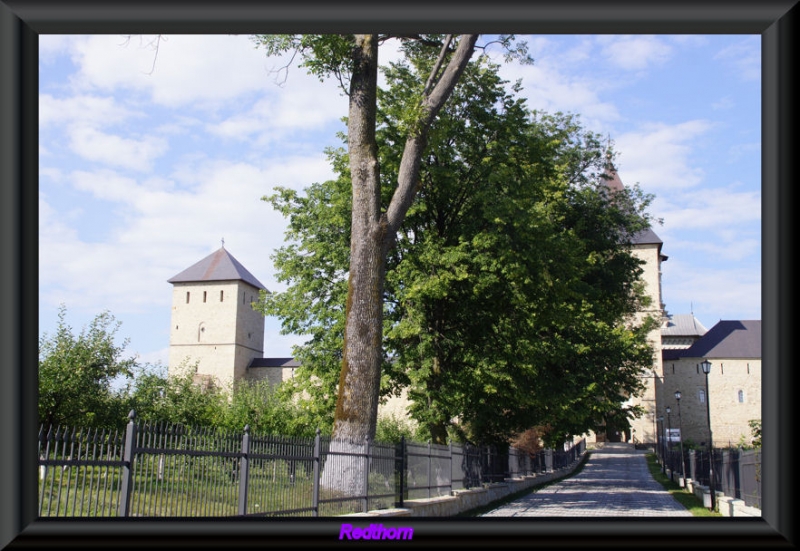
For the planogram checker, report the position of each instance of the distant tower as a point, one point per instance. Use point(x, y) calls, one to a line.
point(213, 321)
point(646, 246)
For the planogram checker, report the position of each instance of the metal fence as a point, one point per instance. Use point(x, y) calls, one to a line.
point(164, 470)
point(737, 472)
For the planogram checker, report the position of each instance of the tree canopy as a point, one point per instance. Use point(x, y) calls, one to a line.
point(76, 371)
point(353, 59)
point(509, 290)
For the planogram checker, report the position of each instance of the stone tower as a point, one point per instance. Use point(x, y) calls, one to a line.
point(213, 321)
point(646, 246)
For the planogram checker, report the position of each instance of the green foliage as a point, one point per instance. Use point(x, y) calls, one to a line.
point(75, 373)
point(391, 429)
point(267, 411)
point(510, 291)
point(322, 55)
point(755, 431)
point(154, 396)
point(179, 399)
point(75, 389)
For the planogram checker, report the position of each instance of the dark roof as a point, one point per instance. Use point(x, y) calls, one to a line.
point(727, 339)
point(218, 266)
point(612, 179)
point(274, 362)
point(646, 237)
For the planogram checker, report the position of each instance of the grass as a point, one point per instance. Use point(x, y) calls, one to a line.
point(200, 487)
point(692, 503)
point(478, 511)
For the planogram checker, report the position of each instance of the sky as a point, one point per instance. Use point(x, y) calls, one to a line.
point(154, 149)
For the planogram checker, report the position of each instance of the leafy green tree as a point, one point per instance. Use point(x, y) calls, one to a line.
point(268, 411)
point(76, 371)
point(509, 282)
point(353, 59)
point(157, 397)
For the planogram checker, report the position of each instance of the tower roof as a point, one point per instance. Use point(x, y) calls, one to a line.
point(613, 181)
point(218, 266)
point(614, 184)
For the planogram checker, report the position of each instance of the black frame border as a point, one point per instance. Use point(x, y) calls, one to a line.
point(21, 21)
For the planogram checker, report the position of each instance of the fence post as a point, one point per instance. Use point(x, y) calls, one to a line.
point(429, 468)
point(315, 489)
point(127, 466)
point(365, 499)
point(400, 460)
point(450, 475)
point(244, 470)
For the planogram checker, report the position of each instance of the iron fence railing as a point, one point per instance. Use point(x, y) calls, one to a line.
point(169, 470)
point(737, 472)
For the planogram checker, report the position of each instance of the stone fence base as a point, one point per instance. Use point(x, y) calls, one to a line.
point(727, 506)
point(465, 500)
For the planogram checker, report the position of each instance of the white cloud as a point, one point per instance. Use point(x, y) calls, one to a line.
point(633, 53)
point(547, 89)
point(744, 57)
point(84, 109)
point(723, 104)
point(109, 149)
point(178, 70)
point(715, 292)
point(657, 156)
point(712, 209)
point(303, 104)
point(105, 184)
point(166, 229)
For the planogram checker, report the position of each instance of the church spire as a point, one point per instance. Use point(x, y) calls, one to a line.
point(612, 180)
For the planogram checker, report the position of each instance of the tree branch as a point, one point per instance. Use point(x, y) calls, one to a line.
point(408, 175)
point(435, 71)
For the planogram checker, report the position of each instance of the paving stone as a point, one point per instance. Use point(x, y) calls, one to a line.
point(614, 482)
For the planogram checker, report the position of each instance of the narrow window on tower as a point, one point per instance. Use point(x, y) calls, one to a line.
point(204, 295)
point(220, 295)
point(740, 395)
point(187, 297)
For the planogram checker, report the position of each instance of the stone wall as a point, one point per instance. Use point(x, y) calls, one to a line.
point(730, 410)
point(214, 324)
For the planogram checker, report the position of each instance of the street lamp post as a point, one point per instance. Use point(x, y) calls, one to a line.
point(669, 440)
point(680, 428)
point(660, 440)
point(706, 365)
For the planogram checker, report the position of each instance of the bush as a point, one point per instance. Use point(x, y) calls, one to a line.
point(391, 429)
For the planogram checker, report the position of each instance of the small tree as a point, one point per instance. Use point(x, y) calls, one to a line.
point(75, 373)
point(755, 430)
point(174, 399)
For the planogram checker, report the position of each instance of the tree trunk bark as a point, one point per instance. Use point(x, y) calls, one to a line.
point(356, 413)
point(372, 233)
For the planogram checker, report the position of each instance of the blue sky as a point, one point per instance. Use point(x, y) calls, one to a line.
point(147, 161)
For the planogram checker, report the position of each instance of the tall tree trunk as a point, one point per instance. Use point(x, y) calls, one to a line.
point(357, 406)
point(372, 233)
